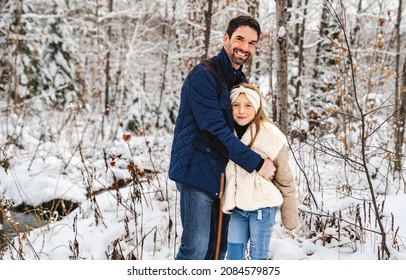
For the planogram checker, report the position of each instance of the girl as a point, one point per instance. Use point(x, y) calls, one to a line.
point(252, 200)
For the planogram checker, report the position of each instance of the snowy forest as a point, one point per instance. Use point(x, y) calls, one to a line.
point(89, 93)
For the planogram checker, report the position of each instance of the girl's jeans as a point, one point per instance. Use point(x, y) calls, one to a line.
point(253, 226)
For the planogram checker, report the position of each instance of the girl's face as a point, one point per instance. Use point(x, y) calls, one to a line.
point(243, 110)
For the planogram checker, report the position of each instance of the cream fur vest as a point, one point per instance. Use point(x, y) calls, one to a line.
point(250, 191)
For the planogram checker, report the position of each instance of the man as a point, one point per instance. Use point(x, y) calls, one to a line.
point(204, 141)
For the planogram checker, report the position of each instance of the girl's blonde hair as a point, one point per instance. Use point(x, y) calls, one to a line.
point(259, 117)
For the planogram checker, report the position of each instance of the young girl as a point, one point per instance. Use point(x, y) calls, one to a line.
point(252, 200)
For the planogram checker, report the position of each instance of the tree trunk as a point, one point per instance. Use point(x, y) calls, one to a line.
point(253, 11)
point(17, 50)
point(207, 32)
point(357, 27)
point(322, 33)
point(165, 64)
point(107, 69)
point(2, 244)
point(282, 65)
point(299, 42)
point(402, 120)
point(400, 99)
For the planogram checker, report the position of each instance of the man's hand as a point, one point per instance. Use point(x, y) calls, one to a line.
point(267, 170)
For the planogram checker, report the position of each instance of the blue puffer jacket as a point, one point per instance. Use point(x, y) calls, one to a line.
point(203, 139)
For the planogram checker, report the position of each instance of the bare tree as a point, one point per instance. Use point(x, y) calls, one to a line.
point(299, 37)
point(321, 67)
point(400, 99)
point(402, 112)
point(341, 20)
point(207, 31)
point(253, 11)
point(167, 32)
point(357, 26)
point(281, 97)
point(322, 33)
point(107, 69)
point(17, 31)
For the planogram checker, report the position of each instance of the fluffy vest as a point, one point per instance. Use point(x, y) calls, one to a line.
point(250, 191)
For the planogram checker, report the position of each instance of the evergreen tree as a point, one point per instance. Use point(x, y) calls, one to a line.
point(58, 64)
point(19, 57)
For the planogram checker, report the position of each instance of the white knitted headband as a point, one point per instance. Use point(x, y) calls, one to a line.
point(251, 94)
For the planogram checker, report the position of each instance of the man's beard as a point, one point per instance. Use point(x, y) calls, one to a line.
point(237, 59)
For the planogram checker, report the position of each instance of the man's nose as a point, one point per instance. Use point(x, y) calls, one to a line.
point(245, 46)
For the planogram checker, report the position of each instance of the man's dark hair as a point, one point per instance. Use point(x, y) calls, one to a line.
point(243, 21)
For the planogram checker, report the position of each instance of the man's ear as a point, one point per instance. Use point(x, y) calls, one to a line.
point(226, 38)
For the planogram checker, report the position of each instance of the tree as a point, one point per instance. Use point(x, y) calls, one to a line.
point(402, 112)
point(59, 76)
point(207, 31)
point(107, 69)
point(400, 99)
point(323, 76)
point(281, 102)
point(358, 110)
point(252, 8)
point(19, 55)
point(298, 50)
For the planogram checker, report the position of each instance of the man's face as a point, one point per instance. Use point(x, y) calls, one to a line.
point(241, 45)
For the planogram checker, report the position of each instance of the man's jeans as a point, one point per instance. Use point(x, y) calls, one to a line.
point(253, 226)
point(199, 214)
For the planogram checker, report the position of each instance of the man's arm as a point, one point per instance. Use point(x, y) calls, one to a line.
point(208, 113)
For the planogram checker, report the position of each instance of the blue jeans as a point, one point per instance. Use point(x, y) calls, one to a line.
point(199, 214)
point(253, 226)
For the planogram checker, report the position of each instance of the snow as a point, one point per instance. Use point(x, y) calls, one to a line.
point(79, 156)
point(107, 221)
point(281, 32)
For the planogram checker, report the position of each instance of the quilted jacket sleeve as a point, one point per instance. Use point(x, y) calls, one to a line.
point(285, 182)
